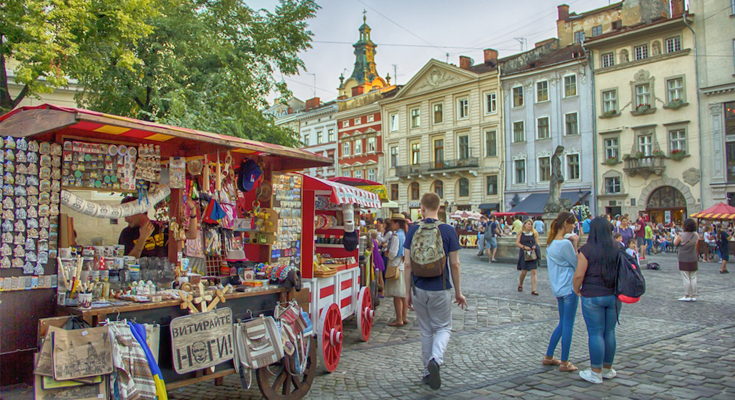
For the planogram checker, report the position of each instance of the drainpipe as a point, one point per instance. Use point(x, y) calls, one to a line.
point(699, 111)
point(594, 128)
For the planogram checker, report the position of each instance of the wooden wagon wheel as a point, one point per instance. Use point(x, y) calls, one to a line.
point(281, 385)
point(330, 337)
point(365, 313)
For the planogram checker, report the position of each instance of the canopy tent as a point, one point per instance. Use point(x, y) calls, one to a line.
point(717, 212)
point(49, 120)
point(364, 184)
point(489, 206)
point(534, 203)
point(508, 214)
point(465, 215)
point(343, 194)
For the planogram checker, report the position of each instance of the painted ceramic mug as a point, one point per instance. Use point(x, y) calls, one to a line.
point(85, 300)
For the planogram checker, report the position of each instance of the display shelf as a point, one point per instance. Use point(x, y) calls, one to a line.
point(337, 227)
point(101, 190)
point(329, 246)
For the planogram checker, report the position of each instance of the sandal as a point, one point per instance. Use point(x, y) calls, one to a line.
point(395, 323)
point(520, 288)
point(569, 367)
point(550, 361)
point(535, 293)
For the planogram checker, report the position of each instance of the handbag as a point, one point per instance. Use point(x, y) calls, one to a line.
point(529, 255)
point(291, 316)
point(392, 272)
point(259, 345)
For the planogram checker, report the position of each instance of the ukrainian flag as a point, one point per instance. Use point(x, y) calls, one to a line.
point(140, 335)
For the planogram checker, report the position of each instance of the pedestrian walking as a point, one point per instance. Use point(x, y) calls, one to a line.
point(561, 261)
point(430, 296)
point(724, 241)
point(527, 242)
point(594, 281)
point(492, 231)
point(649, 238)
point(688, 242)
point(640, 235)
point(395, 284)
point(481, 235)
point(625, 230)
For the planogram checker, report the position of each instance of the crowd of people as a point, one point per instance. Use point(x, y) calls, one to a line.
point(583, 274)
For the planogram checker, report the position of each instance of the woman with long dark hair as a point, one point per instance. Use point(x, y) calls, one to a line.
point(561, 261)
point(594, 281)
point(396, 286)
point(527, 242)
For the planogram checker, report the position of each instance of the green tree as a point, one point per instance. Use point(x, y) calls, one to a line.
point(208, 65)
point(43, 42)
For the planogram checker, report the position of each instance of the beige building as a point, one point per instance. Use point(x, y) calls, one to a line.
point(713, 24)
point(647, 138)
point(442, 133)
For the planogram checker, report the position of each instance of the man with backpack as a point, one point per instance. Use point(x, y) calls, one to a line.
point(492, 231)
point(432, 251)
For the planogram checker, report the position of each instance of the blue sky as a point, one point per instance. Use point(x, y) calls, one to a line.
point(428, 29)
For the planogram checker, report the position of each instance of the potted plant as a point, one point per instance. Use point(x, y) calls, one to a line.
point(658, 153)
point(638, 154)
point(628, 156)
point(676, 103)
point(609, 114)
point(678, 154)
point(643, 107)
point(611, 161)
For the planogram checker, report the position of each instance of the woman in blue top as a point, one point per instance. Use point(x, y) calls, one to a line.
point(561, 261)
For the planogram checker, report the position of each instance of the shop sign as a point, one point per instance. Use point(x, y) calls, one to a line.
point(667, 216)
point(202, 340)
point(414, 204)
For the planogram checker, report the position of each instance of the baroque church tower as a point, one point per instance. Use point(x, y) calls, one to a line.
point(364, 76)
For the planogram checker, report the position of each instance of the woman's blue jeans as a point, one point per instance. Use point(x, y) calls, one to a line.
point(600, 315)
point(567, 313)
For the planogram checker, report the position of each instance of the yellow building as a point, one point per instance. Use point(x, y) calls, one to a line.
point(442, 133)
point(647, 140)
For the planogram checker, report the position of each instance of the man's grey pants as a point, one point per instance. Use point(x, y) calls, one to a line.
point(434, 315)
point(480, 242)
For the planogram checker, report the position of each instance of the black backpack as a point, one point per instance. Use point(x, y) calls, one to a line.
point(630, 284)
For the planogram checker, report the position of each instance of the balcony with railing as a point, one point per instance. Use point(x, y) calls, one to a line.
point(644, 166)
point(438, 167)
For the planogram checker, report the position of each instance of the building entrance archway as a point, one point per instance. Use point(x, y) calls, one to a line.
point(666, 204)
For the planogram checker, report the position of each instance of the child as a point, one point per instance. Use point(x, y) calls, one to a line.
point(378, 264)
point(633, 251)
point(619, 238)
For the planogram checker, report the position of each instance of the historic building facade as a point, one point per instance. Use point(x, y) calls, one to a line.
point(443, 133)
point(715, 31)
point(547, 97)
point(318, 131)
point(359, 121)
point(647, 138)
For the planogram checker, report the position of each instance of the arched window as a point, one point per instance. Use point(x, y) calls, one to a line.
point(623, 56)
point(464, 187)
point(439, 188)
point(414, 191)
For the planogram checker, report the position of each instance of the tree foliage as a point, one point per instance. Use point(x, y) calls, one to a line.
point(42, 42)
point(207, 64)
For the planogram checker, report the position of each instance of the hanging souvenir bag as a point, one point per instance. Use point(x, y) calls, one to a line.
point(259, 345)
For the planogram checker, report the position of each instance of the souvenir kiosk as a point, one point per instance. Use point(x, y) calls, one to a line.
point(72, 152)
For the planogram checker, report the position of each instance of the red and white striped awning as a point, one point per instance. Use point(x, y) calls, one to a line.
point(343, 194)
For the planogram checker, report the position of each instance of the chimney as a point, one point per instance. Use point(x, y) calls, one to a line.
point(358, 90)
point(677, 8)
point(563, 12)
point(312, 103)
point(491, 57)
point(465, 62)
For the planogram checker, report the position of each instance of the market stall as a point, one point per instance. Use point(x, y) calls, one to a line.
point(223, 257)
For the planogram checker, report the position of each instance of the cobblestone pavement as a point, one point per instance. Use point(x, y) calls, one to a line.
point(666, 349)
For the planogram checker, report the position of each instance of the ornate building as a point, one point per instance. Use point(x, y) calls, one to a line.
point(648, 137)
point(443, 133)
point(359, 121)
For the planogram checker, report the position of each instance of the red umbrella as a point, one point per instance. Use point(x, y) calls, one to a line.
point(717, 212)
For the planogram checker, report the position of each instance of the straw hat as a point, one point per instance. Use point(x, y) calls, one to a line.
point(195, 167)
point(398, 217)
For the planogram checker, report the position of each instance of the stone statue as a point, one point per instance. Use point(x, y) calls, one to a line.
point(554, 203)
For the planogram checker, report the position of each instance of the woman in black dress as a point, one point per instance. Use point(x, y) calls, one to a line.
point(723, 239)
point(527, 242)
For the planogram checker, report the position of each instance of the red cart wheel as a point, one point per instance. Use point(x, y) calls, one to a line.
point(330, 337)
point(365, 313)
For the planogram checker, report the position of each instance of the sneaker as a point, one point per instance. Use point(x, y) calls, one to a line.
point(693, 299)
point(494, 260)
point(435, 380)
point(479, 254)
point(724, 272)
point(425, 379)
point(591, 376)
point(609, 373)
point(685, 299)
